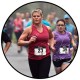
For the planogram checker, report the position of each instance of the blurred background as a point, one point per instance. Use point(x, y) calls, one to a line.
point(45, 7)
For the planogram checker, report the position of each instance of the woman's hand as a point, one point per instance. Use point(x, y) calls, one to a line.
point(52, 48)
point(74, 46)
point(32, 39)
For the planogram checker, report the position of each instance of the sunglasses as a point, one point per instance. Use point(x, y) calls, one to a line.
point(60, 25)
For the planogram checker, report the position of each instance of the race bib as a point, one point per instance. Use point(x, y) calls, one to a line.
point(64, 50)
point(17, 28)
point(40, 51)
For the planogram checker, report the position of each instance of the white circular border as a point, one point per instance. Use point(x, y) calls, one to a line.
point(7, 7)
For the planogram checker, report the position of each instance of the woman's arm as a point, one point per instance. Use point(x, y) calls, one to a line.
point(51, 39)
point(21, 40)
point(73, 42)
point(6, 47)
point(24, 35)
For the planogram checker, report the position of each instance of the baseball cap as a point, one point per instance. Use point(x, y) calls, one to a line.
point(66, 16)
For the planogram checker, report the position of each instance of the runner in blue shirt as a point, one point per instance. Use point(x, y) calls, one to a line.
point(69, 27)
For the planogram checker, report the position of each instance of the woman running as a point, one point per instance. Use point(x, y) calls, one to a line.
point(38, 36)
point(63, 39)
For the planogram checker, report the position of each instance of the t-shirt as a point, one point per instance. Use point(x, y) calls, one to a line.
point(62, 45)
point(18, 25)
point(25, 23)
point(70, 28)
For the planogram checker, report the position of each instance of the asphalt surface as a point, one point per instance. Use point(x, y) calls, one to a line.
point(20, 61)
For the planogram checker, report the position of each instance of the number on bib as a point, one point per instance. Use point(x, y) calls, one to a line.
point(40, 51)
point(64, 50)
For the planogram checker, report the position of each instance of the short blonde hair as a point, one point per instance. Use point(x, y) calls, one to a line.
point(38, 10)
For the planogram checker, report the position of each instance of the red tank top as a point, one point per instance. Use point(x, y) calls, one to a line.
point(41, 42)
point(18, 25)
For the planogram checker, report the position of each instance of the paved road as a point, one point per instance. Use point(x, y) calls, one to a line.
point(20, 61)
